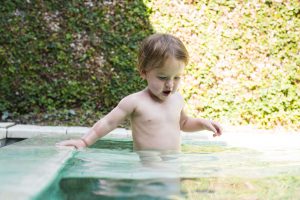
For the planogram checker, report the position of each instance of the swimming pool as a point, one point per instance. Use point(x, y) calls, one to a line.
point(207, 168)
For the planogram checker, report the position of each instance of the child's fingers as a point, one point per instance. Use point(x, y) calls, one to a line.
point(213, 129)
point(59, 144)
point(219, 131)
point(65, 147)
point(63, 143)
point(71, 143)
point(66, 143)
point(218, 128)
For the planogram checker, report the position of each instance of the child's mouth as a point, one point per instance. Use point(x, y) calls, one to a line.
point(166, 93)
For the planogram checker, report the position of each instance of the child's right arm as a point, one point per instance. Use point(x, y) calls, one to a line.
point(104, 125)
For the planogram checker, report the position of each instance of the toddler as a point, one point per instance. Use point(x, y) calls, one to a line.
point(157, 112)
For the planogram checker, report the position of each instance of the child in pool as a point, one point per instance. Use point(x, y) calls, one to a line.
point(156, 113)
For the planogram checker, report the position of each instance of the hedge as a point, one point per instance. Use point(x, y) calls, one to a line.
point(67, 54)
point(244, 68)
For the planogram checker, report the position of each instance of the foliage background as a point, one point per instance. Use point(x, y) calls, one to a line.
point(68, 58)
point(80, 56)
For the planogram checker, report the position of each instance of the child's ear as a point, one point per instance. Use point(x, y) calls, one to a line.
point(143, 74)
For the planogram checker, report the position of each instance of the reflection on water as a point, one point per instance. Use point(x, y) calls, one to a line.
point(116, 188)
point(199, 171)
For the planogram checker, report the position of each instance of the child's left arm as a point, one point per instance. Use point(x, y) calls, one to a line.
point(189, 124)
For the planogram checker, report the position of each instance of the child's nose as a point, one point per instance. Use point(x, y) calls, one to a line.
point(169, 84)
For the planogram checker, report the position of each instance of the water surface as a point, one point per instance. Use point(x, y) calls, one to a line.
point(203, 170)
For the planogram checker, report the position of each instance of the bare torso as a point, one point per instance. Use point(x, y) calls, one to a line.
point(156, 125)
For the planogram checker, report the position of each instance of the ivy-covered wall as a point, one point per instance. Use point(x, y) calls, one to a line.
point(244, 68)
point(245, 58)
point(65, 54)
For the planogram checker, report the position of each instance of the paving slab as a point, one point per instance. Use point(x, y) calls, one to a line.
point(6, 124)
point(77, 130)
point(28, 131)
point(3, 128)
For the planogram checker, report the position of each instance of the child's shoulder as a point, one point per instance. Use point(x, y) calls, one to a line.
point(131, 99)
point(129, 103)
point(133, 96)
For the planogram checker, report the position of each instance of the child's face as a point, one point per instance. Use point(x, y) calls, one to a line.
point(164, 81)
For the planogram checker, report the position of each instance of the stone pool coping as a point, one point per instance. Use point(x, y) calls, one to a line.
point(13, 130)
point(25, 185)
point(240, 136)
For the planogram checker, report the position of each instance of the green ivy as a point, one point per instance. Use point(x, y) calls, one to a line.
point(65, 54)
point(244, 68)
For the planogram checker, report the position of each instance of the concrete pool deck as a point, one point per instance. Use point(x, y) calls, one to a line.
point(27, 167)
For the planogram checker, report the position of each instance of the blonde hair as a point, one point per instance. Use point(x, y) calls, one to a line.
point(157, 48)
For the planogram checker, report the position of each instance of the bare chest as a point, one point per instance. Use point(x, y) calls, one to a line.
point(157, 114)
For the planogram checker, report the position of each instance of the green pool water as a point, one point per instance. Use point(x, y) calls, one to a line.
point(203, 170)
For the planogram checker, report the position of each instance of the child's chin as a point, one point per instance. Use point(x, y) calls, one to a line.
point(165, 96)
point(162, 97)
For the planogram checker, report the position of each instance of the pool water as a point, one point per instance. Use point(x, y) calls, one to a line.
point(203, 170)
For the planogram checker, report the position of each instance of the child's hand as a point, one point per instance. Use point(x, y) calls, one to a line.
point(214, 127)
point(79, 143)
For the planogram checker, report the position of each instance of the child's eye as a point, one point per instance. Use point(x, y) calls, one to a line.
point(177, 78)
point(162, 78)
